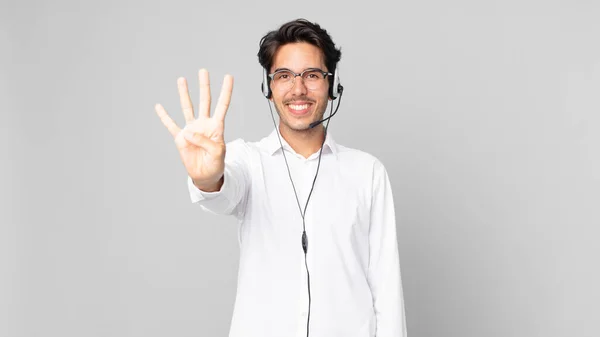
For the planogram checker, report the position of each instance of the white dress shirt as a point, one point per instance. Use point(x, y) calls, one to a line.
point(355, 279)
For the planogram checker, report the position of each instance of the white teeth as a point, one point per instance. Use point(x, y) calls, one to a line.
point(299, 107)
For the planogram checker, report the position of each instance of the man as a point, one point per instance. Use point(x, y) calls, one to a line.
point(324, 268)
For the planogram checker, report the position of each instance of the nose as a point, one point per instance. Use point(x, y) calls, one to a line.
point(298, 87)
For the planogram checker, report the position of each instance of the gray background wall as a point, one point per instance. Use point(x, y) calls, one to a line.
point(484, 113)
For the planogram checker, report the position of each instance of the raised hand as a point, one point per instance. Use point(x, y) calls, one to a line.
point(200, 143)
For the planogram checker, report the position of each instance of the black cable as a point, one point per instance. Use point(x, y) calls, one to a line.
point(303, 213)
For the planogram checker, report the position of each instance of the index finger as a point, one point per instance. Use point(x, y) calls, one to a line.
point(224, 98)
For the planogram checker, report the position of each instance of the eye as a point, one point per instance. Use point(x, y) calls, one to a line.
point(313, 75)
point(283, 76)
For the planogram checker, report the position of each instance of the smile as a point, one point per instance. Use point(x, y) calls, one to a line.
point(298, 107)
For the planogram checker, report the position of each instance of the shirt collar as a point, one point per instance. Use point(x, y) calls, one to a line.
point(273, 145)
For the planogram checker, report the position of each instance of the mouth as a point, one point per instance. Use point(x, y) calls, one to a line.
point(299, 108)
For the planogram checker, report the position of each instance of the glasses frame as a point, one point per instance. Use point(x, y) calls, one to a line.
point(325, 74)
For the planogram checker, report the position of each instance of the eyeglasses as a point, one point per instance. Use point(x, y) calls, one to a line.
point(313, 78)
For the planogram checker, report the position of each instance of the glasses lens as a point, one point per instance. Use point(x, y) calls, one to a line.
point(283, 76)
point(283, 80)
point(313, 79)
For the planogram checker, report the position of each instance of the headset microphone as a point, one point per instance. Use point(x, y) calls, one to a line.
point(340, 92)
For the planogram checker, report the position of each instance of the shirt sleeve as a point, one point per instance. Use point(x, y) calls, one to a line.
point(231, 198)
point(384, 262)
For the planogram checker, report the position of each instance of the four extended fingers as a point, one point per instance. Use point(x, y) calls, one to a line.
point(186, 102)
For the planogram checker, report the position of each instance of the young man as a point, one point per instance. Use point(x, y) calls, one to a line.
point(317, 231)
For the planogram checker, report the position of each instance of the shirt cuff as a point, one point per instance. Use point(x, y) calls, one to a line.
point(197, 195)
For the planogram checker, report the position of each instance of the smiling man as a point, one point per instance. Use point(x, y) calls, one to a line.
point(317, 230)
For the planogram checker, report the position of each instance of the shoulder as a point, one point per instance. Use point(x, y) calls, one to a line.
point(360, 159)
point(364, 170)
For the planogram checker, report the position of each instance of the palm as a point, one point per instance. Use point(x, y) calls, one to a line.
point(201, 144)
point(198, 161)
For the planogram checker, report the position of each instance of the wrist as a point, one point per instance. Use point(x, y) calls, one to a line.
point(209, 187)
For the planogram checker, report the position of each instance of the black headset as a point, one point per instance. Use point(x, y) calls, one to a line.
point(335, 88)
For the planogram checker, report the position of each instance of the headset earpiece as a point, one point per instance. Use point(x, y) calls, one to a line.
point(336, 88)
point(265, 87)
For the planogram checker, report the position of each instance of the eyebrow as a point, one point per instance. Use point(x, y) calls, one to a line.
point(309, 68)
point(278, 69)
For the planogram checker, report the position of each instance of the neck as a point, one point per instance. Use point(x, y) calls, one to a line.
point(305, 142)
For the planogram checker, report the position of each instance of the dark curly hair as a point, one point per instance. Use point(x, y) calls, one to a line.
point(300, 30)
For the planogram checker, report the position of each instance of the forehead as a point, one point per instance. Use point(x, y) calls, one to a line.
point(298, 56)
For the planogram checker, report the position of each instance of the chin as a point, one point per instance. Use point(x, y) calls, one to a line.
point(298, 126)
